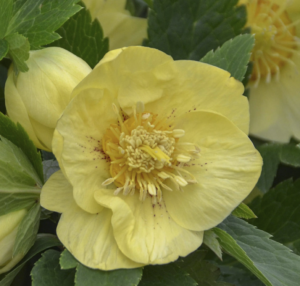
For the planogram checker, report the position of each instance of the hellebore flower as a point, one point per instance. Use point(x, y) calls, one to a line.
point(9, 224)
point(152, 153)
point(37, 98)
point(118, 25)
point(275, 81)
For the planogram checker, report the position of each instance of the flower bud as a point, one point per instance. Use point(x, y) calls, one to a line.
point(9, 224)
point(37, 98)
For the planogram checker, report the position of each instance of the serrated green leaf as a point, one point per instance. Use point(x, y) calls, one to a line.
point(273, 263)
point(50, 167)
point(166, 275)
point(5, 16)
point(121, 277)
point(46, 271)
point(83, 38)
point(18, 50)
point(18, 136)
point(38, 19)
point(67, 260)
point(210, 240)
point(16, 171)
point(11, 202)
point(290, 155)
point(243, 211)
point(27, 230)
point(279, 212)
point(189, 29)
point(42, 243)
point(202, 271)
point(3, 48)
point(233, 56)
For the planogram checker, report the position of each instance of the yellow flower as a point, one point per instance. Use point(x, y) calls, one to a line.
point(8, 231)
point(118, 25)
point(38, 97)
point(152, 153)
point(275, 82)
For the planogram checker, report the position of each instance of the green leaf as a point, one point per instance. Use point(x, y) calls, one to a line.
point(30, 24)
point(270, 155)
point(235, 273)
point(67, 260)
point(279, 212)
point(166, 275)
point(121, 277)
point(3, 77)
point(38, 19)
point(243, 211)
point(149, 2)
point(273, 263)
point(233, 56)
point(210, 240)
point(46, 271)
point(11, 202)
point(290, 155)
point(137, 8)
point(42, 243)
point(27, 230)
point(3, 48)
point(83, 38)
point(189, 29)
point(5, 15)
point(16, 171)
point(203, 272)
point(18, 50)
point(18, 136)
point(273, 154)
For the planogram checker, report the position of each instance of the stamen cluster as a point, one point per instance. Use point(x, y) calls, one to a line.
point(275, 39)
point(145, 151)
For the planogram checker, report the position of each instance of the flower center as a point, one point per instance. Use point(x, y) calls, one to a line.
point(145, 151)
point(275, 40)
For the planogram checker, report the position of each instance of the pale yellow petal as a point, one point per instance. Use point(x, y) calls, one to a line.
point(90, 238)
point(143, 74)
point(199, 86)
point(274, 106)
point(128, 72)
point(17, 110)
point(79, 144)
point(57, 193)
point(123, 30)
point(226, 171)
point(118, 25)
point(145, 232)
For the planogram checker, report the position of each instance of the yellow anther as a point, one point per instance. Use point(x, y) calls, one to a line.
point(182, 158)
point(181, 181)
point(177, 133)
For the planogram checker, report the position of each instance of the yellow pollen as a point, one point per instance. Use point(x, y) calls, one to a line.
point(145, 152)
point(275, 39)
